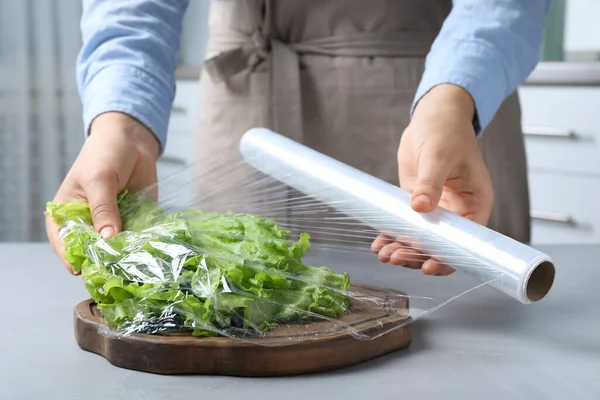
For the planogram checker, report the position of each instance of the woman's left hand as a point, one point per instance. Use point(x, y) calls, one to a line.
point(440, 164)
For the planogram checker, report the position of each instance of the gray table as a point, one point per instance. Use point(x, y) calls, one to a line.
point(482, 345)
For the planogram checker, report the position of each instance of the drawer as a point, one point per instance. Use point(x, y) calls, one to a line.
point(183, 114)
point(564, 208)
point(562, 128)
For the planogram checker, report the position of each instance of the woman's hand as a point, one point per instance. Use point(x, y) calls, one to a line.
point(119, 153)
point(440, 164)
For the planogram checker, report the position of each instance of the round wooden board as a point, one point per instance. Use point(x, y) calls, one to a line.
point(185, 354)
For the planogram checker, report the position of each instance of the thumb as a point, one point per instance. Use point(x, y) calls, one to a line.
point(431, 177)
point(102, 199)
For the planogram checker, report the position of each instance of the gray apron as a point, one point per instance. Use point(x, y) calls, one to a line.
point(338, 76)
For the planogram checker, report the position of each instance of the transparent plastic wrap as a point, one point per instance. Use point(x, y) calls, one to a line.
point(274, 247)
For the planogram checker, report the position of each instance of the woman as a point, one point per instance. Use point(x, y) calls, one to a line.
point(345, 77)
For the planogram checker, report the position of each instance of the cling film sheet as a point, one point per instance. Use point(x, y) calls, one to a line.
point(270, 255)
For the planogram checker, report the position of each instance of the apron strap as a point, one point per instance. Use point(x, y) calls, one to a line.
point(284, 68)
point(286, 92)
point(229, 63)
point(283, 59)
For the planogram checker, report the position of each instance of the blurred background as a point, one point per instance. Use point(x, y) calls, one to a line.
point(41, 130)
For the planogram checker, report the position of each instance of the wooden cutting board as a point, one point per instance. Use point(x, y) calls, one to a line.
point(326, 350)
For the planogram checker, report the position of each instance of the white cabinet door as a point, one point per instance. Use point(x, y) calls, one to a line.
point(562, 128)
point(562, 136)
point(564, 208)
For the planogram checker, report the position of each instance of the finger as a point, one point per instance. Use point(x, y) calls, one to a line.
point(471, 196)
point(480, 209)
point(381, 241)
point(407, 171)
point(145, 180)
point(434, 267)
point(407, 257)
point(386, 252)
point(102, 198)
point(480, 215)
point(475, 205)
point(53, 232)
point(432, 175)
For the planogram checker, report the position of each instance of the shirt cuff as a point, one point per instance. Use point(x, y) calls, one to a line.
point(474, 66)
point(132, 91)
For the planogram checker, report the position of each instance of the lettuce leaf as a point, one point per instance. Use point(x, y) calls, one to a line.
point(211, 273)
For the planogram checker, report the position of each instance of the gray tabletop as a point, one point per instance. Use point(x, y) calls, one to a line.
point(482, 345)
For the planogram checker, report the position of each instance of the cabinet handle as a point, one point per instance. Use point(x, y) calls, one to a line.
point(179, 110)
point(172, 159)
point(555, 217)
point(549, 131)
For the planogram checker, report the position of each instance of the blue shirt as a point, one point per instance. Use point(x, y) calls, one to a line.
point(130, 52)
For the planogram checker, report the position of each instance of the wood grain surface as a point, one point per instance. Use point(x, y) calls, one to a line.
point(289, 349)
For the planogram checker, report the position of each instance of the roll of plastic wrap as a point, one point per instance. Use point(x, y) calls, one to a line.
point(509, 266)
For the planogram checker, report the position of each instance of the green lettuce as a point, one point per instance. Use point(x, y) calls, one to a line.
point(211, 273)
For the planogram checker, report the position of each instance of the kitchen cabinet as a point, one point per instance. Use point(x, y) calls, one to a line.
point(561, 124)
point(564, 208)
point(562, 128)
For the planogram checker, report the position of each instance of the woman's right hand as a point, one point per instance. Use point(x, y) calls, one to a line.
point(120, 153)
point(441, 165)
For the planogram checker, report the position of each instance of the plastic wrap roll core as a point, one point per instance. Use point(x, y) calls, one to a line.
point(507, 265)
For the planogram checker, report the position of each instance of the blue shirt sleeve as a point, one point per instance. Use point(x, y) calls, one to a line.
point(128, 60)
point(488, 47)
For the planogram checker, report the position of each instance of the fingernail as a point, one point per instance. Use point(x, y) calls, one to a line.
point(107, 232)
point(422, 198)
